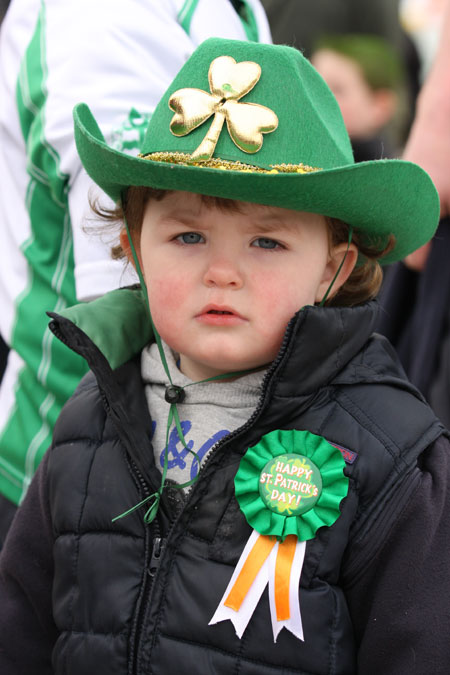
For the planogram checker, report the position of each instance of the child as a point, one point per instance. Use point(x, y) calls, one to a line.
point(366, 76)
point(305, 458)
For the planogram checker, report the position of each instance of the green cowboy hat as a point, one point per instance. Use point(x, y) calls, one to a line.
point(284, 144)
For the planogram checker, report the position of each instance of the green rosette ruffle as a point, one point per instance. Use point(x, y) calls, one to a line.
point(327, 459)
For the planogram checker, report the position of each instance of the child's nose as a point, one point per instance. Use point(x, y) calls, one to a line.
point(222, 271)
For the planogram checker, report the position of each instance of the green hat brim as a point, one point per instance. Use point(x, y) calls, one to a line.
point(378, 198)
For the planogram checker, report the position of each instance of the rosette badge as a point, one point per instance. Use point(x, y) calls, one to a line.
point(288, 486)
point(291, 482)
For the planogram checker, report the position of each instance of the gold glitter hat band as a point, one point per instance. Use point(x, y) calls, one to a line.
point(226, 165)
point(257, 123)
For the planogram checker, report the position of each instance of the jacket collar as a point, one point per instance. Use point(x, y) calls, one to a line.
point(319, 343)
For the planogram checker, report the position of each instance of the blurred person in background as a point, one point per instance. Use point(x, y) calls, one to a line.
point(366, 76)
point(416, 294)
point(120, 62)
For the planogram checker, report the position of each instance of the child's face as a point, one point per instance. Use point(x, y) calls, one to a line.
point(364, 110)
point(223, 284)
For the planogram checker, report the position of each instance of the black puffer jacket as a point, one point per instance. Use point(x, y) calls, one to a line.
point(134, 599)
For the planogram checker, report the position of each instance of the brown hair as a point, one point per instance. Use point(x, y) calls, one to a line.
point(363, 283)
point(365, 280)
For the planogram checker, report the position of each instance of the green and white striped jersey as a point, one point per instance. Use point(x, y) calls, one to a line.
point(118, 56)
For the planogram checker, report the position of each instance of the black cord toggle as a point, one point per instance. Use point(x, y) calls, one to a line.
point(174, 394)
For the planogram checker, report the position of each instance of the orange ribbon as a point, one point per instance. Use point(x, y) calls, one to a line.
point(285, 557)
point(255, 560)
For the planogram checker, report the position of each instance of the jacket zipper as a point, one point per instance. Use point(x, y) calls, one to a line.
point(152, 559)
point(157, 550)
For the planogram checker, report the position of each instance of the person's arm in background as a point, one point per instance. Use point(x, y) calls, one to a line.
point(429, 141)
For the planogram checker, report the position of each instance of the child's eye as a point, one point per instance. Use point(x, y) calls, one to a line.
point(264, 242)
point(190, 238)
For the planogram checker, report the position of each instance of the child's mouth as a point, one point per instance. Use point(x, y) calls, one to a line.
point(216, 316)
point(217, 311)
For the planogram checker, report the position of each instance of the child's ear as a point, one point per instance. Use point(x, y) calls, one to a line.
point(339, 253)
point(126, 248)
point(125, 244)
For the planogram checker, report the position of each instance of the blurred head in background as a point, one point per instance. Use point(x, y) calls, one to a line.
point(366, 76)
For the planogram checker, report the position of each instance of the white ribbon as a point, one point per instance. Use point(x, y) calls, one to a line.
point(266, 575)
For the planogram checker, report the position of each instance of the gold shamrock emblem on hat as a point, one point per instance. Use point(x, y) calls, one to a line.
point(228, 81)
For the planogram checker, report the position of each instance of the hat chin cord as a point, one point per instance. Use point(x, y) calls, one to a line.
point(175, 394)
point(328, 291)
